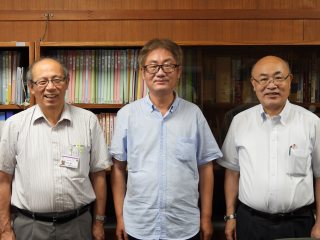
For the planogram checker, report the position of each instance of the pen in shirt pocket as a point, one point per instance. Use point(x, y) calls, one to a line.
point(291, 147)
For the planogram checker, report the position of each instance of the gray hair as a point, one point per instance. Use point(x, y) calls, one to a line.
point(167, 44)
point(29, 76)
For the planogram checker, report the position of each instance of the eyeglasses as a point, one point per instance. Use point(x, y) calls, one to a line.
point(277, 79)
point(57, 81)
point(166, 68)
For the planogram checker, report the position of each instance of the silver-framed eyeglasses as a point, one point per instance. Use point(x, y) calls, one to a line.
point(166, 68)
point(276, 78)
point(56, 81)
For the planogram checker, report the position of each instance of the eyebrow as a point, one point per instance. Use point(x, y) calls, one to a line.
point(165, 61)
point(275, 73)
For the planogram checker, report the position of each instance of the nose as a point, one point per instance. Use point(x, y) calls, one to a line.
point(160, 71)
point(273, 85)
point(50, 84)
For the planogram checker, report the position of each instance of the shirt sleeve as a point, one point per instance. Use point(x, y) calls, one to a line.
point(100, 157)
point(118, 148)
point(316, 151)
point(230, 158)
point(7, 147)
point(208, 148)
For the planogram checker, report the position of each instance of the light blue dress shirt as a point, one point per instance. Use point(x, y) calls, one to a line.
point(163, 154)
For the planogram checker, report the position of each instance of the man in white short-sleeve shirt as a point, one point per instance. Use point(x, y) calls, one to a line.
point(271, 154)
point(54, 155)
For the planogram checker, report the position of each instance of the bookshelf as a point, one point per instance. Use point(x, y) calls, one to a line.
point(104, 76)
point(216, 75)
point(219, 79)
point(100, 53)
point(226, 72)
point(14, 55)
point(224, 28)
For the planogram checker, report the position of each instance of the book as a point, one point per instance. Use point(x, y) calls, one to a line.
point(2, 120)
point(223, 79)
point(236, 80)
point(8, 114)
point(248, 95)
point(93, 78)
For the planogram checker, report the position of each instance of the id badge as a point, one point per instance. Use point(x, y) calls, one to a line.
point(69, 161)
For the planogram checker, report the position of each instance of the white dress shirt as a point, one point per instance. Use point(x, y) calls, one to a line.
point(276, 156)
point(32, 151)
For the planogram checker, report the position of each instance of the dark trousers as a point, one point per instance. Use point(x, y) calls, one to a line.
point(196, 237)
point(254, 226)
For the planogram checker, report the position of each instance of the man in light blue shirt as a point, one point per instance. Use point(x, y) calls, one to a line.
point(167, 147)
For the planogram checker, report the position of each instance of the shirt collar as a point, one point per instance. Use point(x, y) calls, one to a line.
point(66, 113)
point(151, 107)
point(283, 115)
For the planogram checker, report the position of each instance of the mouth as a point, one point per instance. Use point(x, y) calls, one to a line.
point(272, 94)
point(50, 96)
point(162, 81)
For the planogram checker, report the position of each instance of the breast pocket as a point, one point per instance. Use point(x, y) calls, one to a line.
point(298, 162)
point(82, 154)
point(186, 149)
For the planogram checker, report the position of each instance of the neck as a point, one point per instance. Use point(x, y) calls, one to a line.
point(273, 112)
point(52, 115)
point(162, 102)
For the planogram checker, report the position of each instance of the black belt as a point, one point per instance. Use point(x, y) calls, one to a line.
point(55, 217)
point(278, 216)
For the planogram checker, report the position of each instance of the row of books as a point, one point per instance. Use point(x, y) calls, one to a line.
point(102, 76)
point(12, 87)
point(109, 76)
point(107, 122)
point(232, 75)
point(232, 79)
point(305, 86)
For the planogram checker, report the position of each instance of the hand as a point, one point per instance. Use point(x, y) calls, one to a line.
point(120, 231)
point(7, 235)
point(98, 230)
point(230, 229)
point(315, 231)
point(206, 229)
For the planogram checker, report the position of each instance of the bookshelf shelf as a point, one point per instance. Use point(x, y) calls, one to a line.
point(12, 107)
point(98, 106)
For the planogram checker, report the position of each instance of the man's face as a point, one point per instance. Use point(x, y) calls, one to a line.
point(51, 96)
point(161, 83)
point(271, 81)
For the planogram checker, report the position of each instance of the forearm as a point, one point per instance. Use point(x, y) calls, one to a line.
point(206, 190)
point(231, 186)
point(5, 197)
point(317, 197)
point(118, 184)
point(99, 184)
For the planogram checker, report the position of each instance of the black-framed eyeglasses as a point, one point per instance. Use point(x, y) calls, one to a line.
point(56, 81)
point(277, 79)
point(166, 68)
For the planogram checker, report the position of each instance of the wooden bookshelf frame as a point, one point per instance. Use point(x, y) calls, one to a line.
point(159, 14)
